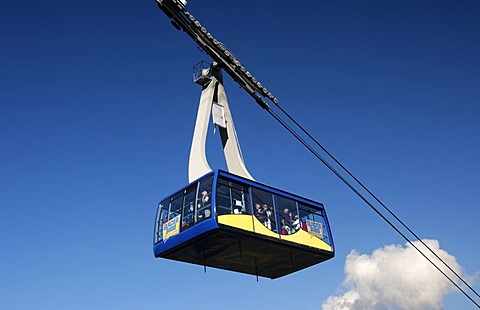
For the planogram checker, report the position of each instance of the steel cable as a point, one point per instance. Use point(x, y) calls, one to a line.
point(346, 182)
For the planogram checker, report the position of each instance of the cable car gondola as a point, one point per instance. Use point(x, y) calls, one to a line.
point(214, 222)
point(227, 220)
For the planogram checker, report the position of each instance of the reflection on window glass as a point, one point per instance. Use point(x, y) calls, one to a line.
point(161, 219)
point(189, 206)
point(312, 221)
point(232, 198)
point(188, 209)
point(175, 206)
point(264, 209)
point(224, 205)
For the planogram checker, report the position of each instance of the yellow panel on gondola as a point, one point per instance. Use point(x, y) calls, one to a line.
point(252, 224)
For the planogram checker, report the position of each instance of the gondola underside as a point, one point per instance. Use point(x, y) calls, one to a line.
point(242, 251)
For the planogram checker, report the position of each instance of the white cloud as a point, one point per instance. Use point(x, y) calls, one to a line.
point(395, 277)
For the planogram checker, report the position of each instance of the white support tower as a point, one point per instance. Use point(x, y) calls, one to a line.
point(213, 102)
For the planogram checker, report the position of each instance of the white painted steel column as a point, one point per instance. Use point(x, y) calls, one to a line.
point(231, 146)
point(214, 93)
point(198, 164)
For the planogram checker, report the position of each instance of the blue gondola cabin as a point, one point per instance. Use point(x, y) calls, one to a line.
point(225, 221)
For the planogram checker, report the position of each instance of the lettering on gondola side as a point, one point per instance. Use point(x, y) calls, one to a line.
point(314, 228)
point(171, 227)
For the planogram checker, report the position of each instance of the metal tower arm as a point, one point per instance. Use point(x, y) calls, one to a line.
point(213, 101)
point(183, 20)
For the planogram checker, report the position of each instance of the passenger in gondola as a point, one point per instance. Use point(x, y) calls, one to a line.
point(272, 216)
point(257, 210)
point(287, 216)
point(268, 217)
point(286, 227)
point(296, 223)
point(260, 214)
point(287, 221)
point(188, 215)
point(203, 210)
point(205, 197)
point(290, 218)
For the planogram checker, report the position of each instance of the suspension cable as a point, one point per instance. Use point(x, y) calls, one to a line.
point(375, 197)
point(346, 182)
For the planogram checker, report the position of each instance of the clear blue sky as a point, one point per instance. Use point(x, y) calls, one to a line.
point(97, 109)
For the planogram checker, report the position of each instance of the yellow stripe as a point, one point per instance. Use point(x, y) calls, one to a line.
point(252, 224)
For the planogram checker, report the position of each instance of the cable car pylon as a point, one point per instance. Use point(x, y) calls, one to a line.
point(214, 103)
